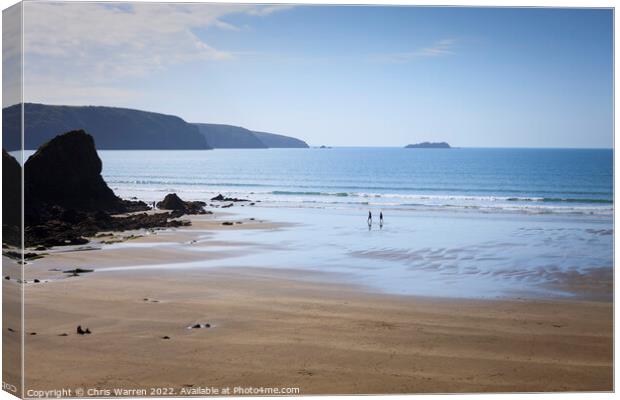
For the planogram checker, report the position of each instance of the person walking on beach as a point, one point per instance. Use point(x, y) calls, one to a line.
point(369, 218)
point(381, 219)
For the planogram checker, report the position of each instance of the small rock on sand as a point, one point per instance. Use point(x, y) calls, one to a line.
point(77, 271)
point(166, 337)
point(148, 300)
point(199, 326)
point(81, 331)
point(227, 223)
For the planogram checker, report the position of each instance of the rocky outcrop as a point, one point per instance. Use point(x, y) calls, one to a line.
point(73, 228)
point(221, 197)
point(11, 199)
point(66, 172)
point(174, 202)
point(67, 200)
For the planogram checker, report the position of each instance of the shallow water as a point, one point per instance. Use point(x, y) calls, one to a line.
point(445, 254)
point(435, 253)
point(458, 223)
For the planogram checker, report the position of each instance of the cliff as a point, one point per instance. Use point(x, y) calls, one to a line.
point(273, 140)
point(221, 136)
point(116, 128)
point(111, 127)
point(229, 137)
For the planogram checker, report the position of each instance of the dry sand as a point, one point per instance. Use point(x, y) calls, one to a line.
point(275, 328)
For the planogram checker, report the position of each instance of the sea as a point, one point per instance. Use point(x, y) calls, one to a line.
point(462, 222)
point(520, 180)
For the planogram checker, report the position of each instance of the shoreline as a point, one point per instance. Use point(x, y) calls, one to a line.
point(286, 328)
point(188, 247)
point(192, 246)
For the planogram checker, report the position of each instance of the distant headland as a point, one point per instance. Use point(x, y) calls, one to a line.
point(115, 128)
point(429, 145)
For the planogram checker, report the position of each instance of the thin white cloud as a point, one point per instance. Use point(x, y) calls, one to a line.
point(440, 48)
point(98, 44)
point(269, 9)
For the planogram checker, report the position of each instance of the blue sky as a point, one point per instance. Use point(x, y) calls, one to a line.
point(337, 75)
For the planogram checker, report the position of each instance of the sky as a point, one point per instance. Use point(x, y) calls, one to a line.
point(336, 75)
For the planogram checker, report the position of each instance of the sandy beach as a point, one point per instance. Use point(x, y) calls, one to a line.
point(277, 328)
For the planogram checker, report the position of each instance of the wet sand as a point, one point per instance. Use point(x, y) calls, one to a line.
point(289, 328)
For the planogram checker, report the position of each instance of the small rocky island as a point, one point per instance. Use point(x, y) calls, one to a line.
point(429, 145)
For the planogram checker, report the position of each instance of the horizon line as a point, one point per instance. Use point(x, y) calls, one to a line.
point(310, 146)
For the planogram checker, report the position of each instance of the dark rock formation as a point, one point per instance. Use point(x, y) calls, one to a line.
point(55, 232)
point(11, 199)
point(67, 200)
point(428, 145)
point(174, 202)
point(171, 202)
point(66, 172)
point(81, 331)
point(199, 326)
point(78, 271)
point(221, 197)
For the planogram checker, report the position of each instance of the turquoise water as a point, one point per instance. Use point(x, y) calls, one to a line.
point(458, 223)
point(529, 180)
